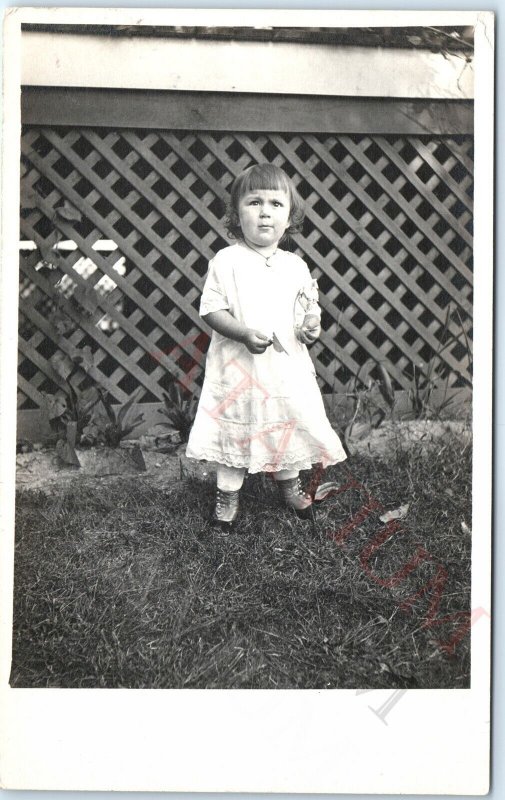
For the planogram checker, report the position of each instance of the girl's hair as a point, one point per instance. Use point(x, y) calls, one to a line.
point(264, 176)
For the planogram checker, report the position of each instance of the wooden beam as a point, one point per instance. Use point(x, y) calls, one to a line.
point(171, 110)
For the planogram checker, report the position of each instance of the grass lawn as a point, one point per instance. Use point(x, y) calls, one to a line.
point(122, 584)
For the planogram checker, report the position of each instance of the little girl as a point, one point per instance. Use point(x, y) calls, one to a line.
point(260, 408)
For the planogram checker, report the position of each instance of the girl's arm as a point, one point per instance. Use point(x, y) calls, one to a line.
point(224, 323)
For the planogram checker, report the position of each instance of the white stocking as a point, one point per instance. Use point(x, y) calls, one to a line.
point(230, 479)
point(286, 474)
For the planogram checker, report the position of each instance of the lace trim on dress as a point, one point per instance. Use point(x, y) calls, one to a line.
point(314, 457)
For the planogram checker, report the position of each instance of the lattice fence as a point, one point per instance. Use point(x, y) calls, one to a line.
point(388, 235)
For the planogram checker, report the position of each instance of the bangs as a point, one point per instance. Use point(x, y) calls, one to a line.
point(264, 177)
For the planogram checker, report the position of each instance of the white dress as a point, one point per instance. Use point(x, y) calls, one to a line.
point(262, 412)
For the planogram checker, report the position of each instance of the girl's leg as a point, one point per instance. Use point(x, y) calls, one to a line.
point(229, 479)
point(229, 483)
point(286, 474)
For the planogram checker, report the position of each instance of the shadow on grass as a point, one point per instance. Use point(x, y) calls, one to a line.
point(124, 585)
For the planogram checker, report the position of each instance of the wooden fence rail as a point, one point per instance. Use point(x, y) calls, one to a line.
point(388, 235)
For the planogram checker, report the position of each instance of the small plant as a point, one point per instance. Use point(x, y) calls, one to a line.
point(73, 415)
point(385, 385)
point(179, 411)
point(423, 386)
point(65, 448)
point(373, 399)
point(112, 427)
point(425, 383)
point(24, 446)
point(68, 415)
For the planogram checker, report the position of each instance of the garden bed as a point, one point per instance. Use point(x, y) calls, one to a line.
point(42, 469)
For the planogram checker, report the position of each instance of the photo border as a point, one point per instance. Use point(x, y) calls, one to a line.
point(306, 741)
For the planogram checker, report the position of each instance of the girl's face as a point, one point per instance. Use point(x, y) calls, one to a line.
point(264, 216)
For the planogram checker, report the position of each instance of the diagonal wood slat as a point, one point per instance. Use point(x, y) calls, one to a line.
point(125, 210)
point(410, 213)
point(125, 247)
point(387, 234)
point(424, 191)
point(442, 171)
point(361, 302)
point(63, 344)
point(409, 208)
point(108, 307)
point(378, 247)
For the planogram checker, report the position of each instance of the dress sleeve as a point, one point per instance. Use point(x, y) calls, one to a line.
point(214, 294)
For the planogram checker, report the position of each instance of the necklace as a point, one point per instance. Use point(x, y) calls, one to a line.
point(267, 258)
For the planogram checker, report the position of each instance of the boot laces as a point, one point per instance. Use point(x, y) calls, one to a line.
point(300, 491)
point(221, 498)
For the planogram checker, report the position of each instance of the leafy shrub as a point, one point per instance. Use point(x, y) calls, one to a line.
point(179, 411)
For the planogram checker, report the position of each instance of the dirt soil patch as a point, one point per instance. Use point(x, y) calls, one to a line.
point(384, 440)
point(43, 470)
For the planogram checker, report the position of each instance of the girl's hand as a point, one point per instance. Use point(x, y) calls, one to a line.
point(255, 341)
point(225, 323)
point(310, 329)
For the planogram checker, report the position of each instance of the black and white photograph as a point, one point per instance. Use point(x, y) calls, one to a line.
point(253, 380)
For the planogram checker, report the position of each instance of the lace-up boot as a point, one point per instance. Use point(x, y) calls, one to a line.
point(226, 510)
point(294, 497)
